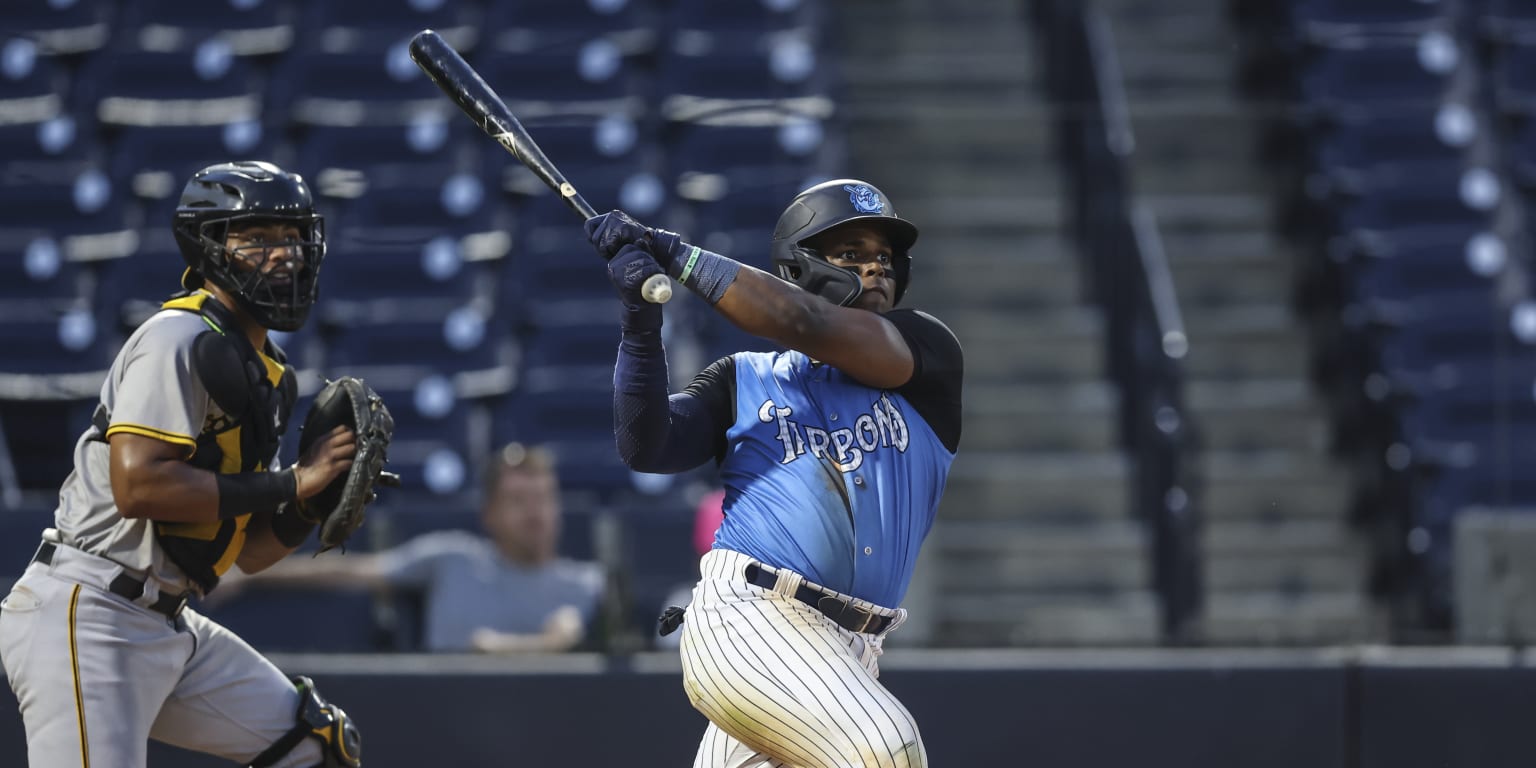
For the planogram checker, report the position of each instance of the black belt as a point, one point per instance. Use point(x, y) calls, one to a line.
point(125, 586)
point(847, 615)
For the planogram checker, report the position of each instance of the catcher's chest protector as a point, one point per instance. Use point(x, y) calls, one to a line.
point(255, 394)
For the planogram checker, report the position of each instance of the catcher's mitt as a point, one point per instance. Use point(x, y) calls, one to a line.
point(339, 508)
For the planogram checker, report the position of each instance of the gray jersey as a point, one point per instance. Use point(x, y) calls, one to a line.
point(469, 585)
point(153, 390)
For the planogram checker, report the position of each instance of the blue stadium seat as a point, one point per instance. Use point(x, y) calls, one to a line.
point(133, 287)
point(522, 26)
point(64, 28)
point(659, 555)
point(593, 79)
point(554, 265)
point(353, 89)
point(464, 339)
point(1514, 81)
point(41, 429)
point(1432, 192)
point(333, 620)
point(54, 340)
point(572, 356)
point(38, 272)
point(21, 531)
point(390, 155)
point(250, 27)
point(156, 162)
point(203, 86)
point(30, 81)
point(446, 201)
point(414, 265)
point(58, 139)
point(1382, 138)
point(1322, 19)
point(576, 423)
point(1363, 76)
point(607, 156)
point(373, 25)
point(787, 71)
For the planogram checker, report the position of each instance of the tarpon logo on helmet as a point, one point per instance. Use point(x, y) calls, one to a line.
point(864, 198)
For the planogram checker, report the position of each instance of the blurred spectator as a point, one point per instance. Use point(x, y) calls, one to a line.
point(505, 593)
point(706, 520)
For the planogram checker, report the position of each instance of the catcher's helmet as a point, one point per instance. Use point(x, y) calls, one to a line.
point(817, 210)
point(230, 193)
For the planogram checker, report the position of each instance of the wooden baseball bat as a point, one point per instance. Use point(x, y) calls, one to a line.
point(464, 85)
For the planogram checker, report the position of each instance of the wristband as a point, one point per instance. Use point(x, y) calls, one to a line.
point(289, 525)
point(705, 273)
point(243, 493)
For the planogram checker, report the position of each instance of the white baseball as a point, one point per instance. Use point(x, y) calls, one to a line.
point(657, 289)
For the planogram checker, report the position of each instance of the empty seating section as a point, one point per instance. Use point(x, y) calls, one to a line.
point(1411, 160)
point(455, 282)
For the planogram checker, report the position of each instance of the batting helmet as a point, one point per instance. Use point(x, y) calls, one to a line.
point(230, 193)
point(821, 208)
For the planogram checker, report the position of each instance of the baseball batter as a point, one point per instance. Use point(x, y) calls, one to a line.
point(833, 455)
point(175, 482)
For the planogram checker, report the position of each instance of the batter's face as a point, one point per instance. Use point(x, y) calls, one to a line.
point(523, 515)
point(863, 248)
point(271, 248)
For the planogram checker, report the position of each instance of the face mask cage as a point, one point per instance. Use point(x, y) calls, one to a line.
point(279, 299)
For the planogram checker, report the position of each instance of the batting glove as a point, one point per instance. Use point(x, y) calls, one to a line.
point(628, 271)
point(609, 232)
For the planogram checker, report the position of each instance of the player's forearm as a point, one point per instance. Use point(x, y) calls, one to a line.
point(766, 306)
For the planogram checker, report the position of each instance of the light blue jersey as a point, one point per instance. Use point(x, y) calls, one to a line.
point(827, 477)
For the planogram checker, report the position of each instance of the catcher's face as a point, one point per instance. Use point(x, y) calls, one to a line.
point(272, 249)
point(865, 249)
point(523, 515)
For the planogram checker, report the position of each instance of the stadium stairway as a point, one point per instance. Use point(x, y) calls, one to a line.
point(1281, 565)
point(1034, 543)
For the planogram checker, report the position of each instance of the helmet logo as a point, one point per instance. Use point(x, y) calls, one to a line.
point(865, 199)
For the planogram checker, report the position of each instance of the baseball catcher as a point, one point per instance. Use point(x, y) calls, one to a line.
point(338, 509)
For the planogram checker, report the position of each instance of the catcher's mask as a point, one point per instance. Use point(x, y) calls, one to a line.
point(823, 207)
point(222, 197)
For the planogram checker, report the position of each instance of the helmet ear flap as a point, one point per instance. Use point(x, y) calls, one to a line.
point(835, 284)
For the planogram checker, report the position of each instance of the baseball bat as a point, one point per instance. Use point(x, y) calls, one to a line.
point(464, 85)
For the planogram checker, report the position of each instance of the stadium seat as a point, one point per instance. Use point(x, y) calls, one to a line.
point(593, 79)
point(250, 27)
point(1362, 76)
point(154, 163)
point(373, 25)
point(41, 428)
point(1325, 19)
point(355, 89)
point(467, 338)
point(64, 28)
point(38, 274)
point(523, 26)
point(207, 85)
point(58, 139)
point(333, 620)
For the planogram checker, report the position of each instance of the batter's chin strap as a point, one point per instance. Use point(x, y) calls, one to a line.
point(341, 744)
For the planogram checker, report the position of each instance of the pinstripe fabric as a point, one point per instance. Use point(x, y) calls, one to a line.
point(783, 685)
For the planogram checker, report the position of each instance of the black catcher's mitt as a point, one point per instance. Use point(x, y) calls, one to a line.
point(339, 508)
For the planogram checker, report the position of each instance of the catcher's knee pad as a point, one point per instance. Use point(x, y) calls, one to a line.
point(341, 746)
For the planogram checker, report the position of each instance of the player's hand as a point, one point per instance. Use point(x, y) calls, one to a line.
point(610, 232)
point(325, 460)
point(628, 272)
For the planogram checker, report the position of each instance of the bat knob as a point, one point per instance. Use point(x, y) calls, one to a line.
point(657, 289)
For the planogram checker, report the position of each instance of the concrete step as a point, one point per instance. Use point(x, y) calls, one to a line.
point(1226, 212)
point(1258, 415)
point(1270, 618)
point(1279, 485)
point(1012, 556)
point(1069, 487)
point(1126, 618)
point(1011, 274)
point(1040, 417)
point(1236, 343)
point(1063, 344)
point(1285, 572)
point(1022, 214)
point(1209, 278)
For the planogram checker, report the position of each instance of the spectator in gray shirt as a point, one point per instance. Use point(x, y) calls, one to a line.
point(506, 592)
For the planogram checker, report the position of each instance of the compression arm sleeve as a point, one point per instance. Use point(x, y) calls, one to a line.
point(655, 432)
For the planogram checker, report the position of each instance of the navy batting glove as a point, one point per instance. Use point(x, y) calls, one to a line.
point(609, 232)
point(628, 272)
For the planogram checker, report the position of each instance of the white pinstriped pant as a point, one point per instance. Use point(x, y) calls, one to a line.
point(781, 684)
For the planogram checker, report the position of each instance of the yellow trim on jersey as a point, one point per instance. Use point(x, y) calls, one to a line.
point(74, 665)
point(236, 545)
point(158, 434)
point(229, 443)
